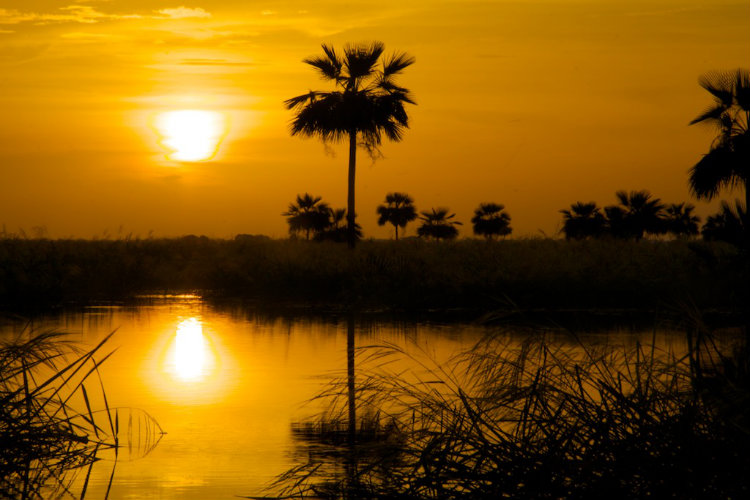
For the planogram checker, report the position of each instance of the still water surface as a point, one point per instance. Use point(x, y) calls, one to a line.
point(226, 384)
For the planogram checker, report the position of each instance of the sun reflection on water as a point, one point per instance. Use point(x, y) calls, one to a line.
point(190, 350)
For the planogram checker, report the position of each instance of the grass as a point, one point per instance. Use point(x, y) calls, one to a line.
point(381, 275)
point(536, 420)
point(49, 429)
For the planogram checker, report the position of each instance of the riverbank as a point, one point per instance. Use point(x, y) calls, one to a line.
point(404, 276)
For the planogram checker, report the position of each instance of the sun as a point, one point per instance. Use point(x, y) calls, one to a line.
point(191, 134)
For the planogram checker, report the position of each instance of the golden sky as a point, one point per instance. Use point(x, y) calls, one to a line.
point(531, 103)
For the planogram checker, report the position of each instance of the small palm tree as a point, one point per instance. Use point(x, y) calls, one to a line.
point(336, 229)
point(727, 163)
point(491, 220)
point(365, 105)
point(399, 210)
point(729, 225)
point(309, 215)
point(680, 221)
point(638, 214)
point(437, 224)
point(583, 220)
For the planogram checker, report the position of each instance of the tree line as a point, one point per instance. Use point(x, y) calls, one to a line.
point(315, 219)
point(367, 103)
point(638, 214)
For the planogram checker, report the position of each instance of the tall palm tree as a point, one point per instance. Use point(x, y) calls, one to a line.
point(308, 214)
point(583, 220)
point(727, 163)
point(490, 220)
point(438, 224)
point(399, 210)
point(679, 219)
point(365, 104)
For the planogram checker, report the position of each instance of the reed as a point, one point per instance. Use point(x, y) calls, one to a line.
point(540, 420)
point(408, 275)
point(50, 432)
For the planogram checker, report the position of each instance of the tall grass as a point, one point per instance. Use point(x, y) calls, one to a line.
point(409, 275)
point(50, 432)
point(536, 420)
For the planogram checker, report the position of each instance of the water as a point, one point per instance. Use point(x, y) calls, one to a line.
point(227, 384)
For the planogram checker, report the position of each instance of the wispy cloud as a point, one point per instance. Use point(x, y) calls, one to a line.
point(212, 62)
point(183, 12)
point(87, 14)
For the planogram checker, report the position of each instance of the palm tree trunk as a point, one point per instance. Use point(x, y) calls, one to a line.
point(396, 233)
point(350, 229)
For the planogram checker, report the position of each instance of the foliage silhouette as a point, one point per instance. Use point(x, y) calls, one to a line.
point(540, 419)
point(583, 220)
point(679, 220)
point(728, 225)
point(365, 105)
point(490, 220)
point(309, 215)
point(438, 225)
point(637, 214)
point(727, 163)
point(335, 228)
point(49, 429)
point(398, 211)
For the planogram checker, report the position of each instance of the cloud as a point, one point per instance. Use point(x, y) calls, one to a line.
point(183, 12)
point(83, 14)
point(212, 62)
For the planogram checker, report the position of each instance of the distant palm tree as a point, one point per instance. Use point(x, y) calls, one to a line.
point(308, 214)
point(399, 210)
point(366, 104)
point(491, 220)
point(437, 224)
point(729, 225)
point(727, 163)
point(680, 221)
point(637, 214)
point(336, 229)
point(583, 220)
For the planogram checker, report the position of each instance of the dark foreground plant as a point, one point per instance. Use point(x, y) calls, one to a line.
point(535, 420)
point(49, 431)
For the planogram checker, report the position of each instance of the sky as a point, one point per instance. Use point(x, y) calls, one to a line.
point(535, 104)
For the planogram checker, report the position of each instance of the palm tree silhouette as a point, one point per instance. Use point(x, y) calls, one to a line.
point(728, 225)
point(399, 211)
point(680, 221)
point(727, 163)
point(437, 224)
point(336, 229)
point(365, 104)
point(583, 220)
point(308, 214)
point(638, 213)
point(490, 220)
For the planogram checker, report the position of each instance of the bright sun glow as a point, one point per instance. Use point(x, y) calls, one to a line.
point(191, 135)
point(190, 350)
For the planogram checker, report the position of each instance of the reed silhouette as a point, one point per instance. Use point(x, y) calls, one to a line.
point(50, 431)
point(438, 224)
point(398, 211)
point(727, 163)
point(540, 420)
point(490, 220)
point(365, 105)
